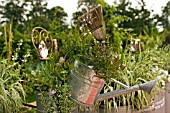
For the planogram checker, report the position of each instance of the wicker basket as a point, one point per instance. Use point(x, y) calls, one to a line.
point(93, 20)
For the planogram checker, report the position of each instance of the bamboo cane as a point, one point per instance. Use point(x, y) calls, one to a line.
point(9, 44)
point(5, 35)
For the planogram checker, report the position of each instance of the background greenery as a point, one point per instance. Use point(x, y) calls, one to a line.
point(122, 22)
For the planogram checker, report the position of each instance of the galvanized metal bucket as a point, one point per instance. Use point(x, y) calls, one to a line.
point(86, 86)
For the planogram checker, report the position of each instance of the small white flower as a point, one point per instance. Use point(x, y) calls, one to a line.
point(137, 41)
point(168, 78)
point(75, 63)
point(155, 69)
point(161, 70)
point(27, 55)
point(17, 49)
point(90, 22)
point(33, 72)
point(163, 73)
point(159, 77)
point(163, 82)
point(116, 25)
point(24, 60)
point(166, 72)
point(132, 48)
point(20, 42)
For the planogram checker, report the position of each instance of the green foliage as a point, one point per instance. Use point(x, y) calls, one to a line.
point(164, 18)
point(58, 24)
point(104, 62)
point(39, 8)
point(76, 15)
point(59, 101)
point(122, 23)
point(48, 76)
point(163, 60)
point(139, 18)
point(2, 40)
point(13, 13)
point(38, 21)
point(12, 92)
point(138, 70)
point(116, 36)
point(167, 61)
point(87, 3)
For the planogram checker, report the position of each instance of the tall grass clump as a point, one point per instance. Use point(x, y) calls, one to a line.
point(11, 91)
point(139, 69)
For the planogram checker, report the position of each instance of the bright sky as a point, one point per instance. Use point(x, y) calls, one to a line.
point(70, 6)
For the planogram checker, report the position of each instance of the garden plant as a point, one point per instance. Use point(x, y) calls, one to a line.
point(124, 45)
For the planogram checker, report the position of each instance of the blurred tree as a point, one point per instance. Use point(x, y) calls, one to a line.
point(139, 18)
point(84, 6)
point(76, 15)
point(87, 3)
point(57, 17)
point(37, 15)
point(165, 17)
point(13, 12)
point(58, 26)
point(38, 8)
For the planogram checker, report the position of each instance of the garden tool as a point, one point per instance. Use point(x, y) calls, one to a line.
point(86, 86)
point(93, 20)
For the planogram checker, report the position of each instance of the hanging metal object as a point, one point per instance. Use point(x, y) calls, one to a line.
point(43, 43)
point(93, 20)
point(86, 86)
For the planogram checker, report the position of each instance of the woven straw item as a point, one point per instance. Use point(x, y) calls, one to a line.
point(93, 20)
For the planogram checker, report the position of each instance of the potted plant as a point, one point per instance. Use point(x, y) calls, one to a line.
point(50, 81)
point(165, 72)
point(98, 60)
point(139, 69)
point(96, 63)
